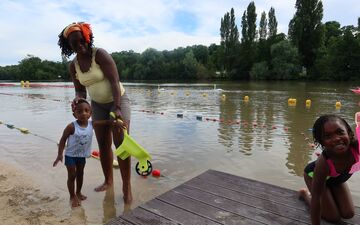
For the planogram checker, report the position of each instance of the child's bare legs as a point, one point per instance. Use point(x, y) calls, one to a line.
point(79, 181)
point(329, 210)
point(304, 194)
point(71, 186)
point(343, 199)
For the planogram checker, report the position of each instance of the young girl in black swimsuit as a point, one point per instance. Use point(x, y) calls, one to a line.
point(329, 197)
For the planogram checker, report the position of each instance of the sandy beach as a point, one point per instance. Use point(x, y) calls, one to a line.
point(22, 202)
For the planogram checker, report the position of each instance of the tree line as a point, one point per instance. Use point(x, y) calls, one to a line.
point(311, 50)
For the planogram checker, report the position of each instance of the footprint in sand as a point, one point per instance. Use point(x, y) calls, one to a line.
point(2, 178)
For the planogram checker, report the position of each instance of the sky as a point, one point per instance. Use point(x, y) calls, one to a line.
point(31, 27)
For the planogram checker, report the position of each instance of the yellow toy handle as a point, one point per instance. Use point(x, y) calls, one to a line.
point(112, 114)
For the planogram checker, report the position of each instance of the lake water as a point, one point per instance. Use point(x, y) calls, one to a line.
point(263, 139)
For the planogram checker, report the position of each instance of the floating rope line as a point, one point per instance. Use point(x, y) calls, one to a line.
point(26, 131)
point(244, 124)
point(34, 97)
point(28, 84)
point(200, 118)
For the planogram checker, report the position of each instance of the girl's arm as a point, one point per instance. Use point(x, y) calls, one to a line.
point(69, 130)
point(317, 189)
point(110, 71)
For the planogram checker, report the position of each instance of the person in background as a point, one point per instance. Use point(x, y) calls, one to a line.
point(93, 71)
point(329, 197)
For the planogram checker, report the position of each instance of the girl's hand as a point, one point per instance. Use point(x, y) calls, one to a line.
point(58, 159)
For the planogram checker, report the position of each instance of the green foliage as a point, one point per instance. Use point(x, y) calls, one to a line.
point(9, 72)
point(332, 30)
point(260, 71)
point(285, 61)
point(249, 24)
point(272, 23)
point(190, 65)
point(248, 46)
point(328, 51)
point(263, 27)
point(229, 40)
point(306, 30)
point(33, 68)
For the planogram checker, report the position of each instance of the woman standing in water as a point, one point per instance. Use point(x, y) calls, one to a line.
point(93, 71)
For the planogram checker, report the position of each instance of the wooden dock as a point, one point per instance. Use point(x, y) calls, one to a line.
point(219, 198)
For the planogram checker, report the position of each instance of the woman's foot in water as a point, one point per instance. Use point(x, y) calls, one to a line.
point(102, 187)
point(81, 197)
point(127, 194)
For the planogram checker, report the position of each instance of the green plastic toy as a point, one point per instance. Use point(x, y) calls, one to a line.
point(130, 147)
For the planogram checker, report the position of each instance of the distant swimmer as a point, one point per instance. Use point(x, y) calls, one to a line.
point(160, 89)
point(217, 89)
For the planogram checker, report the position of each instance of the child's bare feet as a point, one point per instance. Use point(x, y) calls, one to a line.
point(304, 194)
point(75, 202)
point(81, 196)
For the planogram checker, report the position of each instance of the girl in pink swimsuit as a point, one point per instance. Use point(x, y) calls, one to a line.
point(329, 197)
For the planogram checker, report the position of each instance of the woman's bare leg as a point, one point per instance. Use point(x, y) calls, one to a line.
point(125, 165)
point(103, 136)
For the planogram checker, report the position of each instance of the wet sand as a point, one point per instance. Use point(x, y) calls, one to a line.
point(22, 202)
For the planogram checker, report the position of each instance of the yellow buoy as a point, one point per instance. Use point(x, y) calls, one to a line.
point(223, 97)
point(24, 130)
point(27, 83)
point(246, 98)
point(22, 83)
point(308, 103)
point(338, 104)
point(292, 101)
point(205, 95)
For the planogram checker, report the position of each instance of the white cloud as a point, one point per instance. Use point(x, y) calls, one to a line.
point(32, 26)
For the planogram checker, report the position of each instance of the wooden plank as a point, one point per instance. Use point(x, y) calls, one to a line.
point(175, 213)
point(254, 195)
point(257, 188)
point(230, 212)
point(219, 198)
point(118, 221)
point(262, 190)
point(141, 216)
point(243, 204)
point(251, 187)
